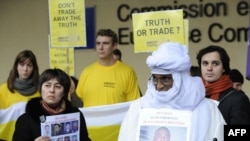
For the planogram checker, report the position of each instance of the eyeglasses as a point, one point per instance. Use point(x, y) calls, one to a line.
point(165, 79)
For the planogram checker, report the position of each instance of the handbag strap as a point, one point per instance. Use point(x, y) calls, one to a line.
point(223, 98)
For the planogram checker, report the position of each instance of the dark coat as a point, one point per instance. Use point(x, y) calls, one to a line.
point(28, 125)
point(235, 107)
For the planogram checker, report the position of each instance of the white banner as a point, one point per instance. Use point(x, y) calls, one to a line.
point(107, 118)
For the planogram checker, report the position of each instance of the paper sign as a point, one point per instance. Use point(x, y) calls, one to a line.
point(67, 23)
point(63, 58)
point(164, 124)
point(63, 127)
point(150, 29)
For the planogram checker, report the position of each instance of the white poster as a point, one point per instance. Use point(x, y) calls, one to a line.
point(164, 124)
point(63, 127)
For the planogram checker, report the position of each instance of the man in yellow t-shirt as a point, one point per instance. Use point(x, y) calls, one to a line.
point(107, 81)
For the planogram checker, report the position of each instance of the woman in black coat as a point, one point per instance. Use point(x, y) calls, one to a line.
point(54, 87)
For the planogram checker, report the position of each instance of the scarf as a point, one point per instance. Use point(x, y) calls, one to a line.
point(214, 89)
point(187, 93)
point(25, 87)
point(54, 110)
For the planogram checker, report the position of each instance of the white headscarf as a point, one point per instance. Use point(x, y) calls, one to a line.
point(187, 92)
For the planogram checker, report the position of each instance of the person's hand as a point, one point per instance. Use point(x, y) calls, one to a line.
point(43, 138)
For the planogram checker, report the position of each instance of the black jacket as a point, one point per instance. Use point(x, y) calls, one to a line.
point(235, 107)
point(28, 125)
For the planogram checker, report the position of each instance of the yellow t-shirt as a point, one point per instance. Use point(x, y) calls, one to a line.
point(8, 99)
point(104, 85)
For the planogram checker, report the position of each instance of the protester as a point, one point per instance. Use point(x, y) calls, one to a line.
point(237, 78)
point(171, 87)
point(195, 71)
point(215, 67)
point(22, 80)
point(117, 54)
point(75, 100)
point(21, 85)
point(54, 85)
point(107, 81)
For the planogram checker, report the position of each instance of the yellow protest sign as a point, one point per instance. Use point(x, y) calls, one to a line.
point(67, 23)
point(150, 29)
point(62, 58)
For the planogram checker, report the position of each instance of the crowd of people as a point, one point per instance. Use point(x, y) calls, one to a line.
point(211, 91)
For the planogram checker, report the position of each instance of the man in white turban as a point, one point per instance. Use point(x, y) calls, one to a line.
point(171, 87)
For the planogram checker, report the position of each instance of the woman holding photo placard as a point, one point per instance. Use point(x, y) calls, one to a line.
point(54, 85)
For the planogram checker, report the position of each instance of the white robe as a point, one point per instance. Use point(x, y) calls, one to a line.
point(129, 125)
